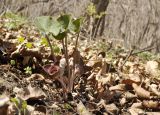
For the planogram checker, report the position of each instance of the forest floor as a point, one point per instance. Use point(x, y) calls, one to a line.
point(109, 81)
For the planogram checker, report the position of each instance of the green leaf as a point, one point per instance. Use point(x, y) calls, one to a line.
point(48, 25)
point(61, 36)
point(75, 25)
point(64, 20)
point(43, 23)
point(56, 49)
point(14, 100)
point(55, 28)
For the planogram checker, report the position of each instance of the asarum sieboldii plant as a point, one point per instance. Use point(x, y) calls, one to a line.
point(59, 28)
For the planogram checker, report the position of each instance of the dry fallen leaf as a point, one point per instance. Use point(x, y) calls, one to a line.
point(151, 104)
point(35, 77)
point(140, 91)
point(131, 78)
point(129, 95)
point(111, 108)
point(136, 111)
point(154, 89)
point(31, 93)
point(152, 113)
point(123, 101)
point(119, 87)
point(152, 67)
point(81, 109)
point(137, 105)
point(4, 100)
point(105, 79)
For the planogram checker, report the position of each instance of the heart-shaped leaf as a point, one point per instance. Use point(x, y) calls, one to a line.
point(55, 28)
point(48, 25)
point(75, 25)
point(64, 20)
point(61, 36)
point(43, 23)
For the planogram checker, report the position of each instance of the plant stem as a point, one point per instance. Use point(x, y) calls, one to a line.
point(66, 56)
point(52, 52)
point(67, 59)
point(63, 47)
point(77, 40)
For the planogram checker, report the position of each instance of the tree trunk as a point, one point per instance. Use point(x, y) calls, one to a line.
point(99, 23)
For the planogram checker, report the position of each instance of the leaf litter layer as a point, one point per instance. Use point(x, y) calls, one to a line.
point(107, 79)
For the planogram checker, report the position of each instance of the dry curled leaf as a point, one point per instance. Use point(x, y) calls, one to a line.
point(154, 89)
point(120, 87)
point(151, 104)
point(31, 93)
point(123, 101)
point(129, 95)
point(131, 78)
point(35, 77)
point(140, 91)
point(111, 108)
point(136, 111)
point(152, 113)
point(137, 105)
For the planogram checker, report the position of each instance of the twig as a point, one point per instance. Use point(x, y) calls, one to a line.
point(134, 53)
point(130, 53)
point(143, 50)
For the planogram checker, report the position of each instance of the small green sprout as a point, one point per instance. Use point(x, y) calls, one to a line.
point(56, 49)
point(91, 9)
point(56, 113)
point(20, 39)
point(21, 105)
point(12, 62)
point(28, 70)
point(44, 42)
point(15, 101)
point(29, 45)
point(67, 106)
point(15, 21)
